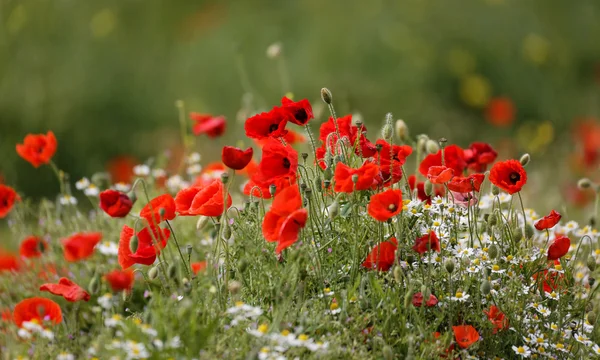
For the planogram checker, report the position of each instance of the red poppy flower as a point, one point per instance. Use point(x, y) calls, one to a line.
point(211, 172)
point(67, 289)
point(382, 256)
point(8, 262)
point(207, 201)
point(497, 318)
point(299, 112)
point(391, 158)
point(213, 126)
point(427, 242)
point(548, 221)
point(266, 124)
point(353, 136)
point(500, 112)
point(37, 310)
point(38, 149)
point(467, 184)
point(465, 335)
point(479, 155)
point(149, 246)
point(120, 280)
point(343, 177)
point(277, 161)
point(152, 211)
point(81, 245)
point(115, 203)
point(385, 205)
point(198, 266)
point(285, 219)
point(454, 158)
point(250, 169)
point(508, 175)
point(417, 300)
point(439, 174)
point(120, 169)
point(438, 190)
point(559, 247)
point(236, 158)
point(8, 196)
point(291, 137)
point(32, 247)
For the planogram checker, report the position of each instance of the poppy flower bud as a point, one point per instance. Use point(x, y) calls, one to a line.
point(388, 353)
point(529, 231)
point(398, 274)
point(401, 130)
point(493, 251)
point(94, 286)
point(225, 178)
point(428, 188)
point(584, 183)
point(591, 263)
point(328, 174)
point(591, 317)
point(153, 273)
point(304, 156)
point(132, 196)
point(517, 234)
point(422, 142)
point(326, 96)
point(188, 250)
point(318, 184)
point(408, 298)
point(387, 132)
point(243, 265)
point(431, 147)
point(492, 219)
point(333, 210)
point(525, 159)
point(272, 189)
point(172, 271)
point(449, 265)
point(495, 190)
point(202, 221)
point(485, 287)
point(226, 232)
point(133, 243)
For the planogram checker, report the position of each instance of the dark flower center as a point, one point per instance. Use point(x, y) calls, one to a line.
point(4, 202)
point(392, 207)
point(301, 115)
point(286, 163)
point(273, 128)
point(514, 177)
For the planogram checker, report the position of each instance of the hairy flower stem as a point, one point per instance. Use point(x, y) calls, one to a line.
point(186, 266)
point(60, 175)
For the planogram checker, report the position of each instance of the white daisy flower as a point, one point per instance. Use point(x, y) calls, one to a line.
point(135, 350)
point(65, 356)
point(83, 183)
point(141, 170)
point(158, 173)
point(106, 301)
point(194, 169)
point(522, 351)
point(460, 297)
point(113, 321)
point(91, 191)
point(108, 248)
point(193, 158)
point(122, 187)
point(67, 200)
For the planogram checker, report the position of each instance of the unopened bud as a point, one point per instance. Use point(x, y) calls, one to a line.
point(422, 143)
point(492, 219)
point(202, 221)
point(272, 189)
point(234, 287)
point(133, 244)
point(529, 231)
point(243, 265)
point(398, 274)
point(354, 178)
point(304, 156)
point(591, 263)
point(94, 286)
point(493, 251)
point(525, 159)
point(224, 178)
point(387, 132)
point(333, 210)
point(449, 265)
point(485, 287)
point(495, 190)
point(585, 183)
point(226, 231)
point(189, 249)
point(153, 273)
point(388, 353)
point(401, 130)
point(326, 96)
point(428, 188)
point(591, 317)
point(517, 234)
point(172, 271)
point(318, 184)
point(431, 147)
point(408, 298)
point(328, 174)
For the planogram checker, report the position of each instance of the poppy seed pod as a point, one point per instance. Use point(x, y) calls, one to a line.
point(431, 147)
point(225, 178)
point(591, 263)
point(202, 221)
point(326, 96)
point(133, 243)
point(304, 156)
point(524, 160)
point(591, 317)
point(189, 249)
point(354, 178)
point(495, 190)
point(485, 287)
point(493, 251)
point(272, 189)
point(529, 231)
point(428, 188)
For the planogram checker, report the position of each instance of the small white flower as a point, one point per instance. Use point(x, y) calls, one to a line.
point(92, 191)
point(194, 158)
point(141, 170)
point(82, 184)
point(543, 310)
point(106, 301)
point(552, 295)
point(135, 350)
point(158, 173)
point(67, 200)
point(113, 321)
point(596, 349)
point(522, 351)
point(194, 169)
point(460, 297)
point(583, 339)
point(24, 334)
point(122, 187)
point(32, 326)
point(108, 248)
point(175, 342)
point(560, 347)
point(146, 329)
point(65, 356)
point(47, 334)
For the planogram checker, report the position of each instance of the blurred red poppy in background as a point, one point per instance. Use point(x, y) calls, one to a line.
point(382, 256)
point(38, 310)
point(212, 126)
point(38, 149)
point(32, 247)
point(8, 196)
point(80, 246)
point(67, 289)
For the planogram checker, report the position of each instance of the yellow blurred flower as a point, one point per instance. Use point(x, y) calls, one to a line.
point(475, 90)
point(536, 48)
point(103, 23)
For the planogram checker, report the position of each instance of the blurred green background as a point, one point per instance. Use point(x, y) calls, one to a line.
point(104, 75)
